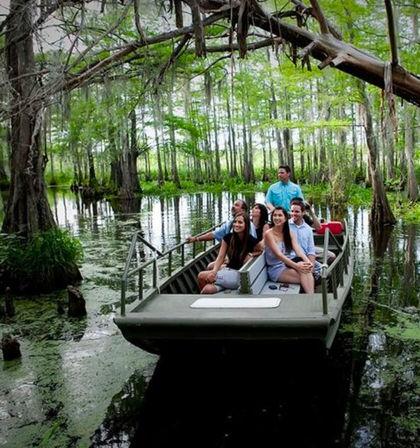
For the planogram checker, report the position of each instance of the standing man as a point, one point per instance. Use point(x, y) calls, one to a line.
point(238, 206)
point(282, 192)
point(304, 234)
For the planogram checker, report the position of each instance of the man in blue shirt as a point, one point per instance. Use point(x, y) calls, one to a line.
point(282, 192)
point(238, 206)
point(304, 234)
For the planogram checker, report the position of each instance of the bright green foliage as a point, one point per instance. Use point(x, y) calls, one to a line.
point(406, 329)
point(39, 256)
point(404, 209)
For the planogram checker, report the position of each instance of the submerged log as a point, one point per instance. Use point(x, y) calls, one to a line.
point(77, 304)
point(10, 347)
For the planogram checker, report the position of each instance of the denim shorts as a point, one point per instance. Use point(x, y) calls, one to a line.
point(227, 278)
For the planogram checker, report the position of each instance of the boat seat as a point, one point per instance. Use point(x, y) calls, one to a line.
point(253, 276)
point(254, 280)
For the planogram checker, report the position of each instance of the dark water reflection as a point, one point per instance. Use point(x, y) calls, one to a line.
point(363, 395)
point(278, 396)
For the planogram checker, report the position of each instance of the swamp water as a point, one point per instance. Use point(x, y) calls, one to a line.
point(80, 384)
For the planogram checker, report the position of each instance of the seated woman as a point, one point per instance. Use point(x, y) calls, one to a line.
point(238, 246)
point(259, 217)
point(281, 247)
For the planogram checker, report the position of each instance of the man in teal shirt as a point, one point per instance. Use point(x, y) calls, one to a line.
point(282, 192)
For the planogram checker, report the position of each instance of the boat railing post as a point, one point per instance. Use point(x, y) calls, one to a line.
point(334, 283)
point(140, 284)
point(170, 263)
point(346, 258)
point(341, 270)
point(128, 260)
point(324, 289)
point(324, 269)
point(183, 255)
point(193, 252)
point(346, 249)
point(326, 243)
point(123, 288)
point(154, 273)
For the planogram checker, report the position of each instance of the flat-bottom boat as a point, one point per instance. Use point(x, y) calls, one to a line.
point(173, 314)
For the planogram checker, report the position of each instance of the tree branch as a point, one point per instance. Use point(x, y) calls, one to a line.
point(200, 39)
point(137, 19)
point(320, 16)
point(345, 57)
point(98, 39)
point(45, 14)
point(172, 58)
point(226, 56)
point(242, 27)
point(391, 32)
point(250, 46)
point(89, 71)
point(179, 20)
point(303, 9)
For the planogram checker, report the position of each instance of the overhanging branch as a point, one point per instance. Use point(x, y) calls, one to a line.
point(345, 57)
point(91, 70)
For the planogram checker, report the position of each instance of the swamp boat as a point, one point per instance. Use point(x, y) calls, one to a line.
point(173, 314)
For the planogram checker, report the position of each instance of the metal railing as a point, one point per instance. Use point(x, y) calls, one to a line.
point(335, 272)
point(157, 257)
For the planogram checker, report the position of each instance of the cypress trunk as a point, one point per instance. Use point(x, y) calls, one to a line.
point(412, 187)
point(381, 213)
point(27, 209)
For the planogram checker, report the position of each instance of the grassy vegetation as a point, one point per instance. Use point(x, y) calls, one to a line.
point(403, 208)
point(61, 178)
point(230, 184)
point(358, 196)
point(37, 259)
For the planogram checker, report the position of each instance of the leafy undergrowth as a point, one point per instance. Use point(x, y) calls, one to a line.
point(41, 262)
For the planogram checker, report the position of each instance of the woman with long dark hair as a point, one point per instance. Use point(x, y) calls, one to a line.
point(239, 246)
point(259, 217)
point(281, 247)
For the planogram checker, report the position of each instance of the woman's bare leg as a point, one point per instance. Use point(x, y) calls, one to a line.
point(202, 279)
point(308, 283)
point(209, 289)
point(289, 275)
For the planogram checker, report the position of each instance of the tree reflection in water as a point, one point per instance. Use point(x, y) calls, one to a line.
point(382, 406)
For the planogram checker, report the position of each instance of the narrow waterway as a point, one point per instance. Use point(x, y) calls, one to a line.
point(79, 383)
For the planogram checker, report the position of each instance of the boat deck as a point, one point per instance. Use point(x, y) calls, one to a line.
point(178, 306)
